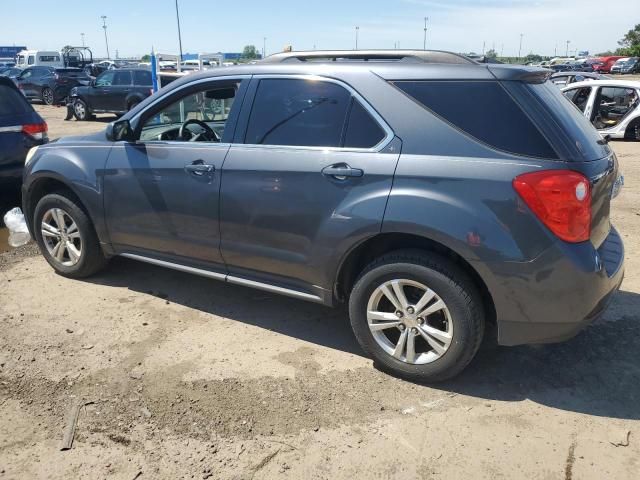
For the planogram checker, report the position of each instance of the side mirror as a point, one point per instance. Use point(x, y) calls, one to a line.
point(119, 131)
point(92, 83)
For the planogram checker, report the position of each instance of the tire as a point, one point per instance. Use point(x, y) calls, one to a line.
point(633, 131)
point(86, 258)
point(133, 104)
point(461, 321)
point(47, 95)
point(81, 110)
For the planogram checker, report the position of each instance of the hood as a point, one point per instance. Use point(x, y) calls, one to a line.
point(91, 137)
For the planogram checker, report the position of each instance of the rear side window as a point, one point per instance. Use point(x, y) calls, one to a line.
point(298, 113)
point(12, 101)
point(483, 110)
point(141, 77)
point(362, 130)
point(122, 78)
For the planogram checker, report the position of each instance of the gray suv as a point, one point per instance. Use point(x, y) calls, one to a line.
point(431, 194)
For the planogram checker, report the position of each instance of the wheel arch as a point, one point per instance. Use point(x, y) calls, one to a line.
point(364, 253)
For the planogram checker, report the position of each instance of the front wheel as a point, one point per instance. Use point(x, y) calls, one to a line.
point(66, 236)
point(418, 315)
point(81, 110)
point(633, 131)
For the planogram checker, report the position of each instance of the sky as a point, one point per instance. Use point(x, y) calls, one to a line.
point(134, 26)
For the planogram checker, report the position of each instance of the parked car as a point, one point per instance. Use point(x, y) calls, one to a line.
point(607, 63)
point(10, 72)
point(20, 129)
point(626, 65)
point(432, 196)
point(613, 106)
point(563, 79)
point(560, 68)
point(114, 91)
point(7, 64)
point(51, 85)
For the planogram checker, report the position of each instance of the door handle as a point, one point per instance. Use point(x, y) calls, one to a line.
point(199, 168)
point(341, 171)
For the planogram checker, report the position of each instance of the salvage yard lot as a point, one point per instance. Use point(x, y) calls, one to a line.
point(190, 378)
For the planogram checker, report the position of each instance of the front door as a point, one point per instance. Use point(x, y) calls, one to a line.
point(312, 175)
point(161, 191)
point(99, 96)
point(612, 105)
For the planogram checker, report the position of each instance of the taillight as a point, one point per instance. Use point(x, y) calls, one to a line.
point(561, 199)
point(36, 130)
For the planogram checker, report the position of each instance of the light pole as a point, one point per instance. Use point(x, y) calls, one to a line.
point(82, 36)
point(357, 30)
point(179, 37)
point(567, 52)
point(424, 43)
point(104, 26)
point(520, 48)
point(264, 47)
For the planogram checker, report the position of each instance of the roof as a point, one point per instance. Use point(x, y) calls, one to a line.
point(384, 69)
point(423, 56)
point(606, 83)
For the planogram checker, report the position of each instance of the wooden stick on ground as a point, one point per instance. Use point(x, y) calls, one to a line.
point(72, 420)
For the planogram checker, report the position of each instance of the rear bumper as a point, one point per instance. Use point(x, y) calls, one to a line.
point(11, 173)
point(559, 293)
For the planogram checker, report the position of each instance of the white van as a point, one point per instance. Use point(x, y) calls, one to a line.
point(39, 58)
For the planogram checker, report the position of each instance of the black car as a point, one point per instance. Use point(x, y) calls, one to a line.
point(49, 84)
point(114, 91)
point(11, 72)
point(20, 129)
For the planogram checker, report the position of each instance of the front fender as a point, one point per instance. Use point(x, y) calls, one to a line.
point(79, 166)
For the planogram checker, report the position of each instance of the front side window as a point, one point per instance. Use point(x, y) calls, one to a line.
point(31, 60)
point(485, 111)
point(613, 104)
point(298, 112)
point(106, 79)
point(49, 58)
point(199, 116)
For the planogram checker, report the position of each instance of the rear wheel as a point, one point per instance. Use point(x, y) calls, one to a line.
point(47, 96)
point(66, 236)
point(418, 315)
point(132, 104)
point(633, 131)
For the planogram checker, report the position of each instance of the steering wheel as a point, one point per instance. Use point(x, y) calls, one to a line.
point(209, 134)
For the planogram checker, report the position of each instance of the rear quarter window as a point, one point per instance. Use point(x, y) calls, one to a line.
point(483, 110)
point(12, 102)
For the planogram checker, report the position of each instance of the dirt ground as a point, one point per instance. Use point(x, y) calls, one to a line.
point(190, 378)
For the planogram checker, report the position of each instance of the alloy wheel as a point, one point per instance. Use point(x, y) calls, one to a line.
point(61, 237)
point(79, 110)
point(409, 321)
point(47, 96)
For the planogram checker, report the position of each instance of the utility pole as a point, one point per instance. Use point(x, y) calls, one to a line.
point(555, 50)
point(424, 44)
point(179, 38)
point(104, 26)
point(483, 45)
point(520, 48)
point(264, 47)
point(567, 52)
point(357, 30)
point(82, 36)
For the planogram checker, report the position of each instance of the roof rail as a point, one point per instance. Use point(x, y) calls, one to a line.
point(417, 56)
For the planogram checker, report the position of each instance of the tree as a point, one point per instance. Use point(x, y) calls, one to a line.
point(250, 52)
point(630, 43)
point(533, 57)
point(491, 54)
point(146, 58)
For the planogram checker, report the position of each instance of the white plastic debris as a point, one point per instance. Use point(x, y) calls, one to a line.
point(18, 231)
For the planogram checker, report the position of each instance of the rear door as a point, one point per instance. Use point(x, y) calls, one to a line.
point(307, 175)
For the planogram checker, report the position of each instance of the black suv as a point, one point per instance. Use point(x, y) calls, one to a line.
point(51, 85)
point(20, 129)
point(113, 91)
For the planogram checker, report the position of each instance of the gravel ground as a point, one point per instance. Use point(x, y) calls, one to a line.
point(190, 378)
